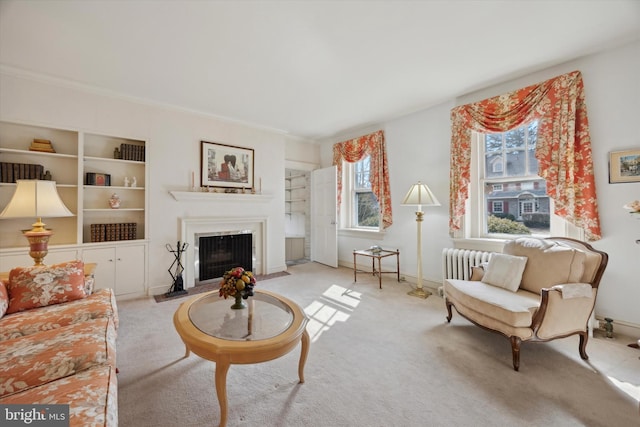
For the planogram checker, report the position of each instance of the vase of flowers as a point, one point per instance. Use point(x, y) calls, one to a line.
point(237, 283)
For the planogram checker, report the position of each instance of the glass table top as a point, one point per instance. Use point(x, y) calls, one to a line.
point(265, 317)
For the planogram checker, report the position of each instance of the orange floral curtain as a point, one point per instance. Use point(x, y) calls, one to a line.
point(563, 149)
point(355, 150)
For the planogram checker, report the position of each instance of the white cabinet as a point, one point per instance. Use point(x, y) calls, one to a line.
point(78, 153)
point(121, 268)
point(294, 248)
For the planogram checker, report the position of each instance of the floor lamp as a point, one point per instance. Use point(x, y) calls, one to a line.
point(420, 195)
point(36, 198)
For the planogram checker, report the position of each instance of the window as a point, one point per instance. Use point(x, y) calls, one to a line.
point(362, 205)
point(514, 198)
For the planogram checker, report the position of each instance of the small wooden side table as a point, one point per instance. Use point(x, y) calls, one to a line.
point(382, 253)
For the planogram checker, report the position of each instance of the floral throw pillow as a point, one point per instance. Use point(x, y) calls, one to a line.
point(4, 298)
point(39, 286)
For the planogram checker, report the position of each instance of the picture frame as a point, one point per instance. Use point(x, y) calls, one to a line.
point(98, 179)
point(624, 166)
point(226, 166)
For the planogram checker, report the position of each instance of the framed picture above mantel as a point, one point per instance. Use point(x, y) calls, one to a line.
point(624, 166)
point(226, 166)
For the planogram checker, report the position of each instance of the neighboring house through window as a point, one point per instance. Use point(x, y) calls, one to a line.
point(514, 195)
point(492, 143)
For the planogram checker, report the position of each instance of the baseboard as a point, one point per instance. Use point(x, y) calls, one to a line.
point(621, 327)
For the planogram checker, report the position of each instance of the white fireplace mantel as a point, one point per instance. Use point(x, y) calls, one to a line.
point(202, 196)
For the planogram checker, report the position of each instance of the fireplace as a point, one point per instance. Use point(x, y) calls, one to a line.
point(221, 251)
point(191, 227)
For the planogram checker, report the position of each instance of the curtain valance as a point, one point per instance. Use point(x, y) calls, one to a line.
point(355, 150)
point(563, 148)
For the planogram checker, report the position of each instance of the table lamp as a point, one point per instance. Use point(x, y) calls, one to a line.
point(420, 195)
point(36, 198)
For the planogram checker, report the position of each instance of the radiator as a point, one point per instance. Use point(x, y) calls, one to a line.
point(457, 263)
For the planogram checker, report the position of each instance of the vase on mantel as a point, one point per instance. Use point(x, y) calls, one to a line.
point(239, 304)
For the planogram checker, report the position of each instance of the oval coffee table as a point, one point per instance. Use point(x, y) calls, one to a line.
point(270, 327)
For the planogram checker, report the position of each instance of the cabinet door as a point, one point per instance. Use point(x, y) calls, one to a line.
point(105, 272)
point(130, 269)
point(119, 268)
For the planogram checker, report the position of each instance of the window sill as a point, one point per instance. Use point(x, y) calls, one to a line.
point(364, 234)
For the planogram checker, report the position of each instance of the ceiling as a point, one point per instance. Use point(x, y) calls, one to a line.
point(311, 69)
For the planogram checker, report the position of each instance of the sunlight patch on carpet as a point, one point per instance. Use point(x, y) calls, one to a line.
point(335, 306)
point(630, 389)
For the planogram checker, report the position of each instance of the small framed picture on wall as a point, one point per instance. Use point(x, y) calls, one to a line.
point(624, 166)
point(226, 166)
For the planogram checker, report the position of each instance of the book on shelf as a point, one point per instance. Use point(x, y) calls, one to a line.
point(113, 232)
point(132, 152)
point(10, 172)
point(43, 145)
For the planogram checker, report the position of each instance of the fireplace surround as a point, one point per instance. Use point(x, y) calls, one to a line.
point(193, 226)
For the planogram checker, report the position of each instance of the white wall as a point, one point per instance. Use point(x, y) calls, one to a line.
point(418, 149)
point(173, 152)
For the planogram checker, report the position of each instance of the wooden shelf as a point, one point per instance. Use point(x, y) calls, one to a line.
point(112, 210)
point(112, 187)
point(197, 196)
point(37, 153)
point(107, 159)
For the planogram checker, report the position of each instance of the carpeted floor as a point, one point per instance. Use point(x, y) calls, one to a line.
point(210, 287)
point(377, 358)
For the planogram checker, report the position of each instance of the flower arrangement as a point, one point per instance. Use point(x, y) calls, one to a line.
point(634, 207)
point(237, 281)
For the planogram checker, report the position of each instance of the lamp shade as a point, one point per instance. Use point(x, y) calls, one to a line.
point(420, 195)
point(35, 198)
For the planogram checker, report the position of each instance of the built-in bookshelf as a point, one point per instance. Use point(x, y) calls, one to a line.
point(75, 156)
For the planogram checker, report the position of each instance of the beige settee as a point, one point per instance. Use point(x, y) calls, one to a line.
point(535, 290)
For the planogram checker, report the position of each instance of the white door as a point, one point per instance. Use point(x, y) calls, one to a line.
point(324, 216)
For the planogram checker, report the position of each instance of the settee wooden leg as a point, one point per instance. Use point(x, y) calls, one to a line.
point(450, 314)
point(583, 345)
point(515, 351)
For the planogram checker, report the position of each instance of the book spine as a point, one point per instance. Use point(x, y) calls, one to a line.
point(3, 172)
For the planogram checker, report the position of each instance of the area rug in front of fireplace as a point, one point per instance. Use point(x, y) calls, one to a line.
point(212, 286)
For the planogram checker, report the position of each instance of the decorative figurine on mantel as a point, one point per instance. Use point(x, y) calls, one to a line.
point(114, 201)
point(116, 153)
point(134, 182)
point(126, 181)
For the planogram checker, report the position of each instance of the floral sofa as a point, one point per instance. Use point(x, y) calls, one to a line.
point(536, 290)
point(58, 342)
